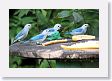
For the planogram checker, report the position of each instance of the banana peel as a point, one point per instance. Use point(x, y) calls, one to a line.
point(90, 45)
point(54, 42)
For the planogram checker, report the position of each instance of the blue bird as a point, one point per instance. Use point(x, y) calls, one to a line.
point(39, 38)
point(23, 33)
point(79, 31)
point(54, 29)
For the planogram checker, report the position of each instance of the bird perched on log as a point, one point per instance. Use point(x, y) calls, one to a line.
point(54, 29)
point(79, 31)
point(23, 33)
point(39, 38)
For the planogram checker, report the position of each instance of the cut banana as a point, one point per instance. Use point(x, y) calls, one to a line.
point(81, 37)
point(82, 46)
point(54, 42)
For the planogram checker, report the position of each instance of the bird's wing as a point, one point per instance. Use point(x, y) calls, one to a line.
point(51, 29)
point(77, 30)
point(21, 33)
point(37, 37)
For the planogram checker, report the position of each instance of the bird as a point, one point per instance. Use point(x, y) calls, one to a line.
point(54, 29)
point(23, 33)
point(79, 31)
point(39, 38)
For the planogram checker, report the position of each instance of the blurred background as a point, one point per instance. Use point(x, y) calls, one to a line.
point(42, 19)
point(46, 18)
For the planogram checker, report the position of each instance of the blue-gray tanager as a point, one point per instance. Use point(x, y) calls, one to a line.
point(23, 33)
point(39, 38)
point(54, 29)
point(79, 31)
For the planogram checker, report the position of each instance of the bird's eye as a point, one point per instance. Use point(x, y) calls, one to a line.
point(58, 26)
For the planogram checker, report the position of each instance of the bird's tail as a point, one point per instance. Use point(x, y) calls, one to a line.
point(14, 41)
point(25, 42)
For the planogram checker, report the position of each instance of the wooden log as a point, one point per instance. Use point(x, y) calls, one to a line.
point(54, 51)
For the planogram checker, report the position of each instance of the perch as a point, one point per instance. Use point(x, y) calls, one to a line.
point(54, 51)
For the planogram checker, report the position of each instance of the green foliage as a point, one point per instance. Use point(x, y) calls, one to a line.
point(48, 64)
point(64, 14)
point(18, 62)
point(52, 63)
point(77, 17)
point(44, 64)
point(46, 18)
point(22, 12)
point(14, 61)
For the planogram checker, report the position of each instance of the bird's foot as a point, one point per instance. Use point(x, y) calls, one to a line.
point(38, 43)
point(22, 42)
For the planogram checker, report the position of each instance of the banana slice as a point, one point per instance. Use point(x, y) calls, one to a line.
point(82, 46)
point(81, 37)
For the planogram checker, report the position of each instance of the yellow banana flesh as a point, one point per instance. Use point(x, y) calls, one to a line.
point(81, 37)
point(82, 46)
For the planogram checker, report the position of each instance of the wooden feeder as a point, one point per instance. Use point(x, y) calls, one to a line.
point(53, 51)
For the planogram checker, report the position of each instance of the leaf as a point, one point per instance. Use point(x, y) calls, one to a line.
point(52, 63)
point(19, 61)
point(12, 39)
point(44, 12)
point(64, 14)
point(48, 63)
point(41, 18)
point(18, 29)
point(44, 64)
point(23, 12)
point(14, 66)
point(17, 12)
point(14, 61)
point(49, 13)
point(12, 35)
point(33, 11)
point(15, 19)
point(77, 17)
point(26, 20)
